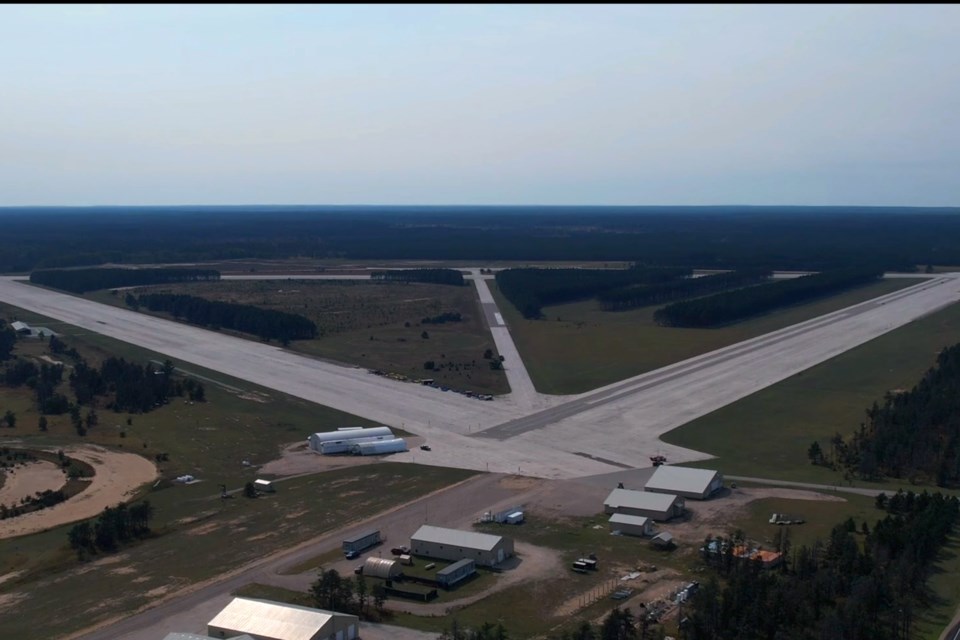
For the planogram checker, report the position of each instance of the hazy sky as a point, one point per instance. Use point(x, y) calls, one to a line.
point(479, 104)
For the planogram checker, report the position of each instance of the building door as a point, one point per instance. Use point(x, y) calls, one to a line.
point(351, 632)
point(499, 556)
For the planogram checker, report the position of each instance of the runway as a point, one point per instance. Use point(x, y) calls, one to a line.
point(530, 433)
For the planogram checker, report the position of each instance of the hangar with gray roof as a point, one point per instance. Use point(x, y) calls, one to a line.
point(697, 484)
point(656, 506)
point(453, 544)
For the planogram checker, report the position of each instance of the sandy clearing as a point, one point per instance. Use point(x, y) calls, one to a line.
point(29, 479)
point(118, 476)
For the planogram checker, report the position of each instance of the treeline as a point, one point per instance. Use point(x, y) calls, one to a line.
point(636, 296)
point(113, 528)
point(266, 324)
point(83, 280)
point(531, 289)
point(443, 318)
point(433, 276)
point(800, 238)
point(915, 434)
point(863, 586)
point(731, 306)
point(8, 338)
point(121, 385)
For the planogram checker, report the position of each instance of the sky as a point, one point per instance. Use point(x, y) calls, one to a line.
point(480, 104)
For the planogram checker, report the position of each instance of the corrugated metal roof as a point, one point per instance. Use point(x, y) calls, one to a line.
point(20, 326)
point(668, 478)
point(639, 500)
point(663, 537)
point(271, 620)
point(456, 537)
point(350, 434)
point(456, 566)
point(622, 518)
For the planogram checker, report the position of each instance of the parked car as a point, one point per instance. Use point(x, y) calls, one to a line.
point(425, 447)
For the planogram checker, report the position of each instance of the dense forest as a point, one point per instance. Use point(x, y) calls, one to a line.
point(856, 586)
point(636, 296)
point(113, 528)
point(731, 306)
point(530, 289)
point(83, 280)
point(914, 434)
point(432, 276)
point(811, 238)
point(266, 324)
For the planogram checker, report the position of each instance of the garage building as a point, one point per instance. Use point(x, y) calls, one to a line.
point(266, 620)
point(697, 484)
point(659, 507)
point(631, 525)
point(453, 544)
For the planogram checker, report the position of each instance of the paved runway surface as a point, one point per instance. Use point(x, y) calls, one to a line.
point(525, 432)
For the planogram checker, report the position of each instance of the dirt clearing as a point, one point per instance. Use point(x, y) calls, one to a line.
point(118, 476)
point(29, 479)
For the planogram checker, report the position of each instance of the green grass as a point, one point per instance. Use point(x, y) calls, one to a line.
point(578, 347)
point(217, 536)
point(375, 325)
point(767, 434)
point(529, 604)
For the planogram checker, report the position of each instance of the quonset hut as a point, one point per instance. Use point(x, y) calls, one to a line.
point(378, 447)
point(342, 440)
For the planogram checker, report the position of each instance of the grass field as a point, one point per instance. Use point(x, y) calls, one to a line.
point(767, 433)
point(376, 325)
point(578, 347)
point(213, 537)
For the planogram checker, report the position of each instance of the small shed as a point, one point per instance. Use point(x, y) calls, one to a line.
point(460, 570)
point(515, 518)
point(266, 486)
point(662, 540)
point(381, 568)
point(631, 525)
point(20, 327)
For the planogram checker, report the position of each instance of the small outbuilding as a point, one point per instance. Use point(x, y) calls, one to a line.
point(631, 525)
point(696, 484)
point(265, 486)
point(381, 568)
point(656, 506)
point(20, 327)
point(266, 620)
point(662, 540)
point(453, 544)
point(459, 570)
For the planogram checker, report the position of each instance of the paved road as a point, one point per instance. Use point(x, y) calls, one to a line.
point(189, 612)
point(810, 485)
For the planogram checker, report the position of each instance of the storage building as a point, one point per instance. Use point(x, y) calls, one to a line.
point(656, 506)
point(631, 525)
point(697, 484)
point(379, 447)
point(356, 544)
point(381, 568)
point(339, 441)
point(453, 544)
point(459, 570)
point(263, 485)
point(20, 327)
point(662, 540)
point(265, 620)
